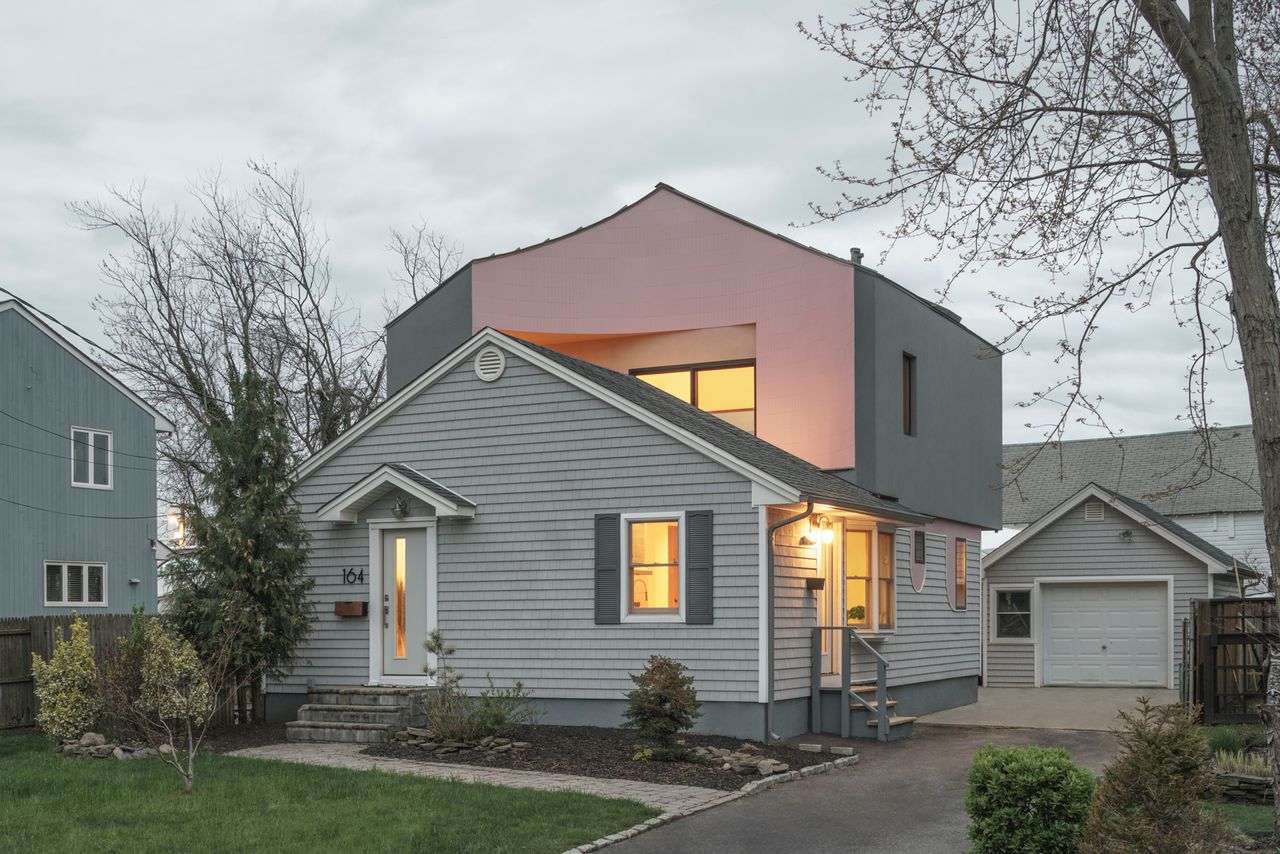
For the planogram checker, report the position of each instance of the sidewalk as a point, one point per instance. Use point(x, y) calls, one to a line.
point(668, 799)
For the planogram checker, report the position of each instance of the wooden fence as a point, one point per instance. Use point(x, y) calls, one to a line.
point(21, 637)
point(1229, 652)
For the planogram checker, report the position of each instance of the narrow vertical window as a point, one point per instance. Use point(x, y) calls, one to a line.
point(75, 583)
point(401, 546)
point(884, 580)
point(91, 458)
point(654, 567)
point(908, 394)
point(52, 583)
point(961, 597)
point(857, 578)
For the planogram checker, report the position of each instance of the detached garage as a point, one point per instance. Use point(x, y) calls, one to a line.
point(1095, 594)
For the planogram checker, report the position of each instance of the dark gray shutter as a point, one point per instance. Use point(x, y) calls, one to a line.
point(608, 568)
point(700, 587)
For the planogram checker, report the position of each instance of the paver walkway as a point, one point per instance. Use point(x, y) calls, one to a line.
point(668, 799)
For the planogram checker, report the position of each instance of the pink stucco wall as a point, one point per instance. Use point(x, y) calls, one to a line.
point(666, 264)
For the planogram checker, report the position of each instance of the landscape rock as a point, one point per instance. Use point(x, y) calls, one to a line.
point(92, 739)
point(165, 750)
point(118, 753)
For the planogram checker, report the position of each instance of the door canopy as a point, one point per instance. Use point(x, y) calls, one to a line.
point(347, 505)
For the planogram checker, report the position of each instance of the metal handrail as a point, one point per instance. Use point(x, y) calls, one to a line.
point(882, 678)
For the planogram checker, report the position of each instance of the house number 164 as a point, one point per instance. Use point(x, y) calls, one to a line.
point(351, 576)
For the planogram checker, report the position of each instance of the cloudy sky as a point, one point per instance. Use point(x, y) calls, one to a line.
point(501, 123)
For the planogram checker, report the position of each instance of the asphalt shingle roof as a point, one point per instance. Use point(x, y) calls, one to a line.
point(434, 485)
point(811, 481)
point(1167, 471)
point(1177, 530)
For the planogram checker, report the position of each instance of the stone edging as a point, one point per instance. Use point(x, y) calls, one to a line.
point(749, 789)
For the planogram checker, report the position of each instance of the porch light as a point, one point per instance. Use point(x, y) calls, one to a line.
point(820, 530)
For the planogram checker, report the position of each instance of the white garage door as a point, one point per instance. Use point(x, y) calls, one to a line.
point(1105, 634)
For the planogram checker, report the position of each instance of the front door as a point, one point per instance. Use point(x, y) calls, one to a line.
point(405, 560)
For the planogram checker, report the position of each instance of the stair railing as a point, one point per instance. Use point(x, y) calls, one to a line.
point(881, 711)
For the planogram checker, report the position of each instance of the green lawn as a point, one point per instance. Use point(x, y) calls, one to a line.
point(1255, 820)
point(56, 804)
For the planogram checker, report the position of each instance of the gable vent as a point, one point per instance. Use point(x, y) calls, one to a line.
point(1093, 511)
point(490, 363)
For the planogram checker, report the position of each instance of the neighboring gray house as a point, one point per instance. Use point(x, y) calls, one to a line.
point(561, 522)
point(77, 478)
point(1216, 498)
point(1096, 592)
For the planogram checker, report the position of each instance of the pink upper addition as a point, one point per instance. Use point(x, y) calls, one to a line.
point(669, 264)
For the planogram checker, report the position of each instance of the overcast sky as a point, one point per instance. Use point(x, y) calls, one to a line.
point(501, 123)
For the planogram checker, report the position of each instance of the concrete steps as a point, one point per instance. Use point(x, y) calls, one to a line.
point(356, 714)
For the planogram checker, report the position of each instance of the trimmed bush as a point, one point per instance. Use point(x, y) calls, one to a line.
point(1026, 799)
point(67, 685)
point(1149, 798)
point(663, 704)
point(452, 714)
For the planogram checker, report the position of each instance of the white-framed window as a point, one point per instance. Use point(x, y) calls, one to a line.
point(91, 458)
point(653, 577)
point(1011, 614)
point(960, 575)
point(75, 583)
point(870, 585)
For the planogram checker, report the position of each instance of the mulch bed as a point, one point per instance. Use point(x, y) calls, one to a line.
point(235, 737)
point(602, 752)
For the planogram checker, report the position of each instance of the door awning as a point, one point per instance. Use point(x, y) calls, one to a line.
point(346, 506)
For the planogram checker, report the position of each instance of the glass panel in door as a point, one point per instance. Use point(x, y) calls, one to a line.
point(404, 602)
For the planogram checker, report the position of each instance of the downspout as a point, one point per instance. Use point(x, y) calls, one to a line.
point(769, 734)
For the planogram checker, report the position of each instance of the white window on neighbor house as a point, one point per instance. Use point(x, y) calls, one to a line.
point(75, 584)
point(1012, 619)
point(90, 458)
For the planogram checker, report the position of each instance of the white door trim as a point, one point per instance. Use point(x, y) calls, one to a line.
point(376, 634)
point(1038, 615)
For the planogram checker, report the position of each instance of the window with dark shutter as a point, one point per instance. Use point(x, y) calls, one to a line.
point(608, 569)
point(700, 607)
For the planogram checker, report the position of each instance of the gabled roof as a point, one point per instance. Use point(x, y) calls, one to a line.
point(346, 506)
point(163, 425)
point(1165, 470)
point(778, 477)
point(1215, 559)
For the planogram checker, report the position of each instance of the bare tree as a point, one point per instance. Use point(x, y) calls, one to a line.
point(425, 257)
point(1129, 148)
point(241, 282)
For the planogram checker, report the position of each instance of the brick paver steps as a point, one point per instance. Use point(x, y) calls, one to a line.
point(667, 798)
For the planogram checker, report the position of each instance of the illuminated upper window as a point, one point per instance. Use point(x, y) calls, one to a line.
point(727, 391)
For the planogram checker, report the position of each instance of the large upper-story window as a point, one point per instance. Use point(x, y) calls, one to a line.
point(91, 458)
point(724, 390)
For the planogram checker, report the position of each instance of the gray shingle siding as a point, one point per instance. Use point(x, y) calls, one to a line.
point(1072, 547)
point(540, 458)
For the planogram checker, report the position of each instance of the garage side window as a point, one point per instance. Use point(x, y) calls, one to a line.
point(1013, 614)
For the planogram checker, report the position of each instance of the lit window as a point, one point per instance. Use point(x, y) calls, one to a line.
point(960, 597)
point(653, 571)
point(857, 578)
point(91, 458)
point(727, 391)
point(1013, 614)
point(75, 584)
point(884, 580)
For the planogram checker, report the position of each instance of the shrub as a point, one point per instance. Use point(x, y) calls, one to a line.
point(1026, 799)
point(67, 684)
point(663, 704)
point(452, 714)
point(1224, 738)
point(1148, 800)
point(1241, 762)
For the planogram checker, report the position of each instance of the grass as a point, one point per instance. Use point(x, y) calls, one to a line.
point(1250, 819)
point(1239, 762)
point(54, 804)
point(1232, 737)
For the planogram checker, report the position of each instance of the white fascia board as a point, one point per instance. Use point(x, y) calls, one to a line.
point(345, 507)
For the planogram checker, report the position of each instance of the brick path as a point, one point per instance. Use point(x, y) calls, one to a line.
point(668, 799)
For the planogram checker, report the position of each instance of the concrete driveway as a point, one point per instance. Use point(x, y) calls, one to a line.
point(907, 796)
point(1049, 708)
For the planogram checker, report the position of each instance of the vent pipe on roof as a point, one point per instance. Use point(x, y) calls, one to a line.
point(855, 255)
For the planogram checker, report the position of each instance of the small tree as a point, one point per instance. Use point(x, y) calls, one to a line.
point(66, 685)
point(452, 714)
point(1149, 798)
point(662, 705)
point(1026, 799)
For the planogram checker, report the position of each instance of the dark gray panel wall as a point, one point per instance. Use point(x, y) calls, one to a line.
point(429, 330)
point(949, 467)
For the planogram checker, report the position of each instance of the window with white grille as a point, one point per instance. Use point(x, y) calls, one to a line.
point(75, 584)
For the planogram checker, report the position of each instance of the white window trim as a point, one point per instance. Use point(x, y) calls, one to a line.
point(625, 557)
point(44, 584)
point(996, 590)
point(873, 628)
point(376, 527)
point(111, 454)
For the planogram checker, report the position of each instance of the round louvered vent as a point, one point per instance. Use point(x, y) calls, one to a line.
point(490, 363)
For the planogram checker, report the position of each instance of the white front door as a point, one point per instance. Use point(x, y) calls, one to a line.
point(1114, 634)
point(406, 559)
